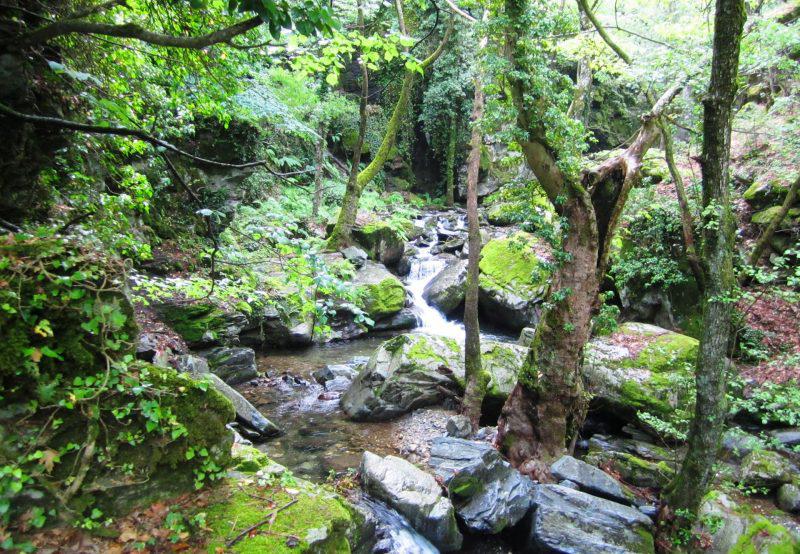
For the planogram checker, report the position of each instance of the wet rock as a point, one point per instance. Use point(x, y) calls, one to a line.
point(488, 494)
point(401, 321)
point(232, 365)
point(355, 256)
point(526, 336)
point(567, 521)
point(246, 413)
point(446, 290)
point(332, 371)
point(459, 426)
point(590, 479)
point(788, 498)
point(273, 328)
point(416, 495)
point(404, 265)
point(765, 468)
point(513, 281)
point(417, 369)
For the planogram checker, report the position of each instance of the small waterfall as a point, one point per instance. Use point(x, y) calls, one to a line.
point(394, 532)
point(424, 267)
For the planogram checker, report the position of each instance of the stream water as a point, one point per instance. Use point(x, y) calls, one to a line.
point(318, 438)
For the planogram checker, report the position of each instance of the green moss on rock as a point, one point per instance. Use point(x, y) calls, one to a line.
point(384, 298)
point(201, 322)
point(318, 520)
point(511, 263)
point(764, 217)
point(765, 537)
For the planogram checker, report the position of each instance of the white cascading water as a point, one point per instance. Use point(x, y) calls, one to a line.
point(424, 267)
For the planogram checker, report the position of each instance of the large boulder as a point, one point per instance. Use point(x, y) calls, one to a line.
point(382, 294)
point(488, 494)
point(568, 521)
point(232, 365)
point(590, 479)
point(417, 369)
point(766, 469)
point(513, 281)
point(416, 495)
point(202, 323)
point(383, 242)
point(276, 328)
point(643, 368)
point(788, 498)
point(446, 290)
point(632, 469)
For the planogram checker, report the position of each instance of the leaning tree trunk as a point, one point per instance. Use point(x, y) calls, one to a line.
point(475, 380)
point(343, 230)
point(775, 222)
point(691, 483)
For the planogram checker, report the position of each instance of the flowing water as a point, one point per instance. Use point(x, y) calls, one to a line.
point(318, 438)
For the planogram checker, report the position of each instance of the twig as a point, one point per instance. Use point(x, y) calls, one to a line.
point(255, 526)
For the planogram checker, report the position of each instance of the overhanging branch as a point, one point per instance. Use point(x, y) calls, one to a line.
point(134, 31)
point(138, 134)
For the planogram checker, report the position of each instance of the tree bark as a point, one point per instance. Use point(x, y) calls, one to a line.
point(476, 382)
point(450, 164)
point(341, 235)
point(683, 205)
point(766, 236)
point(342, 232)
point(690, 485)
point(316, 201)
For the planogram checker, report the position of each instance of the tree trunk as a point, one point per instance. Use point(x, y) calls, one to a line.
point(691, 483)
point(766, 236)
point(683, 204)
point(450, 163)
point(318, 160)
point(546, 406)
point(341, 235)
point(476, 382)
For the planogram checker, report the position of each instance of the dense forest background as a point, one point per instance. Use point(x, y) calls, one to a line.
point(188, 187)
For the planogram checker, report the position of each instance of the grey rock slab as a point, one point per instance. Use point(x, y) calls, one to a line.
point(788, 498)
point(489, 495)
point(590, 479)
point(459, 426)
point(416, 495)
point(446, 290)
point(232, 365)
point(246, 413)
point(567, 521)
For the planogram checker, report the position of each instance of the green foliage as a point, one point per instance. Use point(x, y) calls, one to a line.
point(770, 403)
point(76, 408)
point(606, 320)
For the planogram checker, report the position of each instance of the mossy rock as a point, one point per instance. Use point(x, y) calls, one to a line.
point(384, 298)
point(765, 537)
point(202, 323)
point(383, 242)
point(765, 468)
point(765, 217)
point(314, 519)
point(513, 280)
point(657, 379)
point(633, 470)
point(765, 192)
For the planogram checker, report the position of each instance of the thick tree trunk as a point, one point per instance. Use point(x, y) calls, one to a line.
point(475, 380)
point(546, 406)
point(450, 164)
point(766, 236)
point(316, 202)
point(691, 483)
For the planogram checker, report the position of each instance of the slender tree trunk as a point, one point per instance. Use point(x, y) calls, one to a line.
point(766, 236)
point(318, 160)
point(450, 164)
point(342, 231)
point(341, 235)
point(691, 483)
point(683, 204)
point(475, 379)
